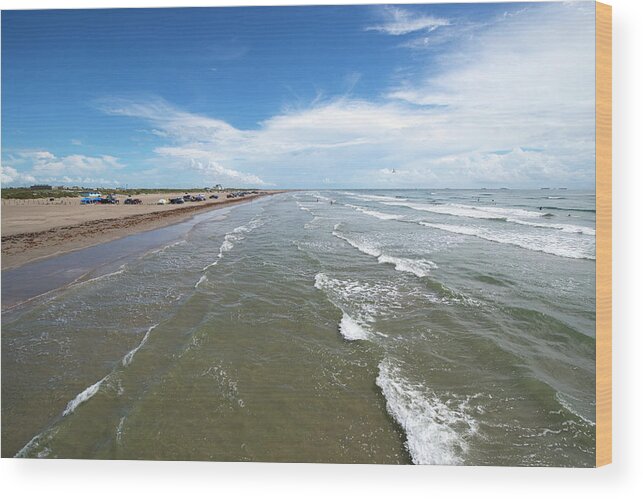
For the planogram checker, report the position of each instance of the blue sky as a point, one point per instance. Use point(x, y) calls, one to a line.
point(460, 95)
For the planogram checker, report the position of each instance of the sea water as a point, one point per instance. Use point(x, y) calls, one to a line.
point(413, 326)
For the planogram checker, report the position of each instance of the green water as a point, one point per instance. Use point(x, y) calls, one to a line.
point(439, 327)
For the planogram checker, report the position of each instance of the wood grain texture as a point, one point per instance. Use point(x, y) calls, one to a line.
point(603, 234)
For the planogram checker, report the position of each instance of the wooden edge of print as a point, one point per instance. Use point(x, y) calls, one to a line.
point(603, 234)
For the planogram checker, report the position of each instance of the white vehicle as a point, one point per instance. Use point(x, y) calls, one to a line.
point(162, 201)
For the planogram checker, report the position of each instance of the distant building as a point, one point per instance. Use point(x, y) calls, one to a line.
point(40, 187)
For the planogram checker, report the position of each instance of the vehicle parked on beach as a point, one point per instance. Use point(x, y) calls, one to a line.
point(162, 201)
point(89, 200)
point(177, 201)
point(110, 199)
point(199, 197)
point(214, 196)
point(133, 201)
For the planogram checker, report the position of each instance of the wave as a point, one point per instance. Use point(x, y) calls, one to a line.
point(463, 210)
point(40, 439)
point(230, 238)
point(451, 209)
point(80, 282)
point(363, 247)
point(525, 241)
point(167, 246)
point(90, 391)
point(127, 360)
point(583, 210)
point(318, 196)
point(83, 396)
point(577, 229)
point(302, 207)
point(374, 213)
point(564, 401)
point(421, 268)
point(203, 277)
point(436, 433)
point(351, 330)
point(349, 295)
point(500, 214)
point(374, 197)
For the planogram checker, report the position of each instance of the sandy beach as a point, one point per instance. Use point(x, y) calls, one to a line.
point(36, 229)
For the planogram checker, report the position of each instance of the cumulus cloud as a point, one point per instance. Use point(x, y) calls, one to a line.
point(9, 175)
point(44, 166)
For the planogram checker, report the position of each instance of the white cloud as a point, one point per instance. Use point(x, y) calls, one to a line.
point(44, 166)
point(523, 85)
point(9, 175)
point(402, 22)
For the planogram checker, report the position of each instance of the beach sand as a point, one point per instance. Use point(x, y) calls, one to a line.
point(36, 229)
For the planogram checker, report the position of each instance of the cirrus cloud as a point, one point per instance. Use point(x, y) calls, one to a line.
point(402, 22)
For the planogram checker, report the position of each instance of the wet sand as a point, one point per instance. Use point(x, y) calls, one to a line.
point(36, 229)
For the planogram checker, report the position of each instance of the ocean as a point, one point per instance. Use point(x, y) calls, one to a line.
point(349, 326)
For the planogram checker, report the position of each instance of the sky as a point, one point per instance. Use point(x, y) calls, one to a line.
point(398, 96)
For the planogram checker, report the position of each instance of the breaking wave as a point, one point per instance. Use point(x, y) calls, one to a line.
point(83, 396)
point(550, 245)
point(463, 210)
point(351, 330)
point(130, 355)
point(375, 213)
point(232, 237)
point(437, 432)
point(420, 268)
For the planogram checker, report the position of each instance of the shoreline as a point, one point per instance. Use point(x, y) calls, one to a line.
point(27, 247)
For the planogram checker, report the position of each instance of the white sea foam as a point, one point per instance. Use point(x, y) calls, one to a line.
point(351, 329)
point(129, 356)
point(230, 238)
point(436, 431)
point(83, 396)
point(577, 229)
point(365, 302)
point(349, 294)
point(213, 263)
point(419, 267)
point(448, 209)
point(202, 279)
point(119, 429)
point(551, 245)
point(374, 197)
point(468, 211)
point(37, 441)
point(167, 247)
point(79, 282)
point(566, 403)
point(361, 246)
point(375, 213)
